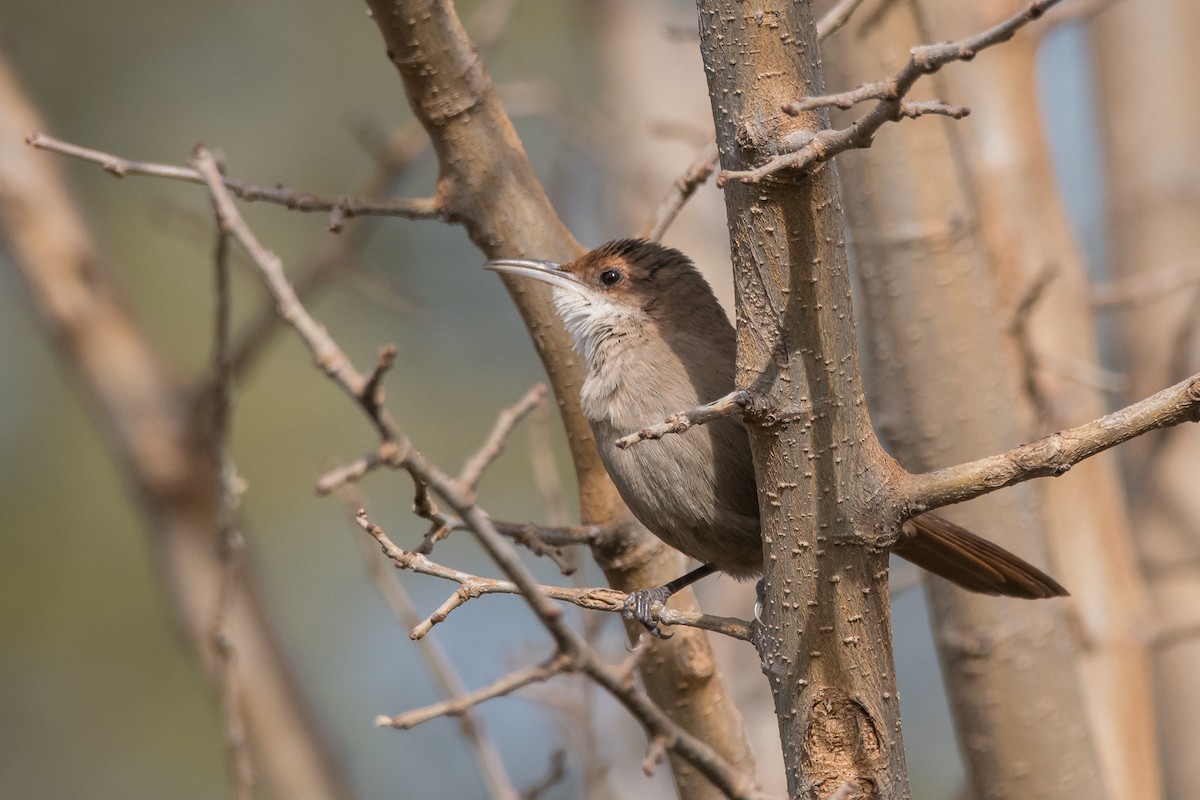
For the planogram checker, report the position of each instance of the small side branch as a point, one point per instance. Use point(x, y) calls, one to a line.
point(474, 467)
point(339, 208)
point(681, 191)
point(472, 586)
point(507, 685)
point(1055, 454)
point(730, 405)
point(890, 94)
point(836, 17)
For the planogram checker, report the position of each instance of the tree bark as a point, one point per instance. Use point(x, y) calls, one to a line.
point(1028, 241)
point(941, 396)
point(487, 184)
point(825, 639)
point(1147, 64)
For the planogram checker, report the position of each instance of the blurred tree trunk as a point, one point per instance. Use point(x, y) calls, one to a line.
point(1028, 243)
point(1149, 72)
point(942, 395)
point(154, 427)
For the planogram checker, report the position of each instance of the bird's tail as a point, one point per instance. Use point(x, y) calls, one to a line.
point(974, 563)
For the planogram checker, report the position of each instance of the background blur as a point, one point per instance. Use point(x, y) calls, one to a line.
point(98, 698)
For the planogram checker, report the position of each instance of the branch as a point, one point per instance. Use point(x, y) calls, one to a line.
point(890, 92)
point(730, 405)
point(1055, 454)
point(836, 17)
point(333, 361)
point(472, 586)
point(473, 469)
point(339, 208)
point(681, 191)
point(439, 665)
point(557, 665)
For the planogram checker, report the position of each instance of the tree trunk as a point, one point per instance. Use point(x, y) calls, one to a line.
point(942, 396)
point(825, 640)
point(155, 433)
point(1149, 73)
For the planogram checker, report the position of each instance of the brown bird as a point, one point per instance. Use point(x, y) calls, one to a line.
point(657, 342)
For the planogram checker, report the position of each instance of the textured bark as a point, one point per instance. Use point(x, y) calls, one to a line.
point(1026, 237)
point(1149, 75)
point(154, 430)
point(825, 640)
point(487, 184)
point(942, 395)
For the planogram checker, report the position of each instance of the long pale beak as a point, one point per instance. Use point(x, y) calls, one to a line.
point(544, 271)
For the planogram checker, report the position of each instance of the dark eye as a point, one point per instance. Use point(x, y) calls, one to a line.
point(610, 277)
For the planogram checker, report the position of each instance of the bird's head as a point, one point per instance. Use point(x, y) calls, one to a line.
point(621, 287)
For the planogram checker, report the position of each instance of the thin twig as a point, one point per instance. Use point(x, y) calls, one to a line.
point(472, 586)
point(393, 158)
point(554, 776)
point(439, 665)
point(730, 405)
point(1019, 329)
point(230, 545)
point(493, 446)
point(340, 207)
point(510, 683)
point(1135, 291)
point(836, 17)
point(890, 92)
point(681, 191)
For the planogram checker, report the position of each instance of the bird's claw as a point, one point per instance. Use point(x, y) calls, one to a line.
point(640, 606)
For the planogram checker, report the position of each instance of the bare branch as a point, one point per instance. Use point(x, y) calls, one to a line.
point(472, 586)
point(473, 469)
point(554, 775)
point(439, 665)
point(730, 405)
point(911, 109)
point(230, 545)
point(1135, 291)
point(339, 208)
point(681, 191)
point(836, 17)
point(507, 685)
point(332, 360)
point(1055, 454)
point(890, 92)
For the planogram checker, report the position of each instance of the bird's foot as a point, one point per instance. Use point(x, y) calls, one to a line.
point(640, 606)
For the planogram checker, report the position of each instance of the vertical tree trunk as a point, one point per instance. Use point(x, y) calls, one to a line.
point(1149, 71)
point(1028, 241)
point(826, 634)
point(156, 435)
point(943, 395)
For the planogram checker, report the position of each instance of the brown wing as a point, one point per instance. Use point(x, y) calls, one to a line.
point(974, 563)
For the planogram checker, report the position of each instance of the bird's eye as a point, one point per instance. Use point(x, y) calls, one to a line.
point(610, 277)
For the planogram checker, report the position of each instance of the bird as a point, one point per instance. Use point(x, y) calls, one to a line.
point(655, 342)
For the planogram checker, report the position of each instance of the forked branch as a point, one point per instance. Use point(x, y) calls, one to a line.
point(890, 92)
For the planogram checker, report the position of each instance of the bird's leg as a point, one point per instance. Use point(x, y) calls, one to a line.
point(639, 605)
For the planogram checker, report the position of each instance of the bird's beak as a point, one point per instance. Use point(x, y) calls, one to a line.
point(544, 271)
